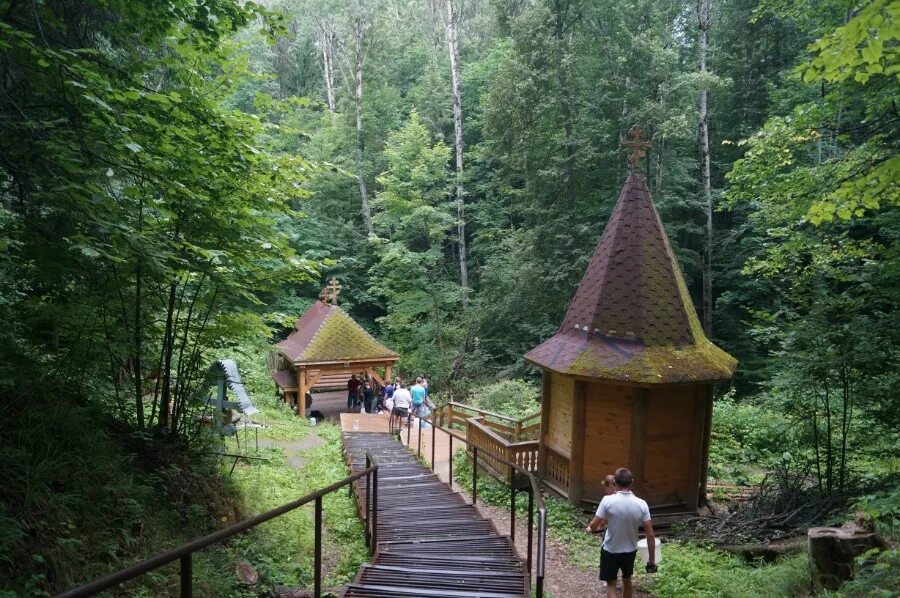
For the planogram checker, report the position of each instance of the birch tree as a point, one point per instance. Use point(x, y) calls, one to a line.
point(450, 15)
point(703, 22)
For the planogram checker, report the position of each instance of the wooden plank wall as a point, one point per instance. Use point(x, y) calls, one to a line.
point(607, 440)
point(559, 422)
point(671, 445)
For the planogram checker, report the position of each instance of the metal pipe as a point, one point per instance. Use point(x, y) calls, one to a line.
point(512, 506)
point(530, 529)
point(317, 547)
point(373, 544)
point(450, 462)
point(541, 543)
point(368, 496)
point(186, 576)
point(474, 473)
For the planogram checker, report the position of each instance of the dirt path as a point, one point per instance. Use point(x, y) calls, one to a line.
point(562, 578)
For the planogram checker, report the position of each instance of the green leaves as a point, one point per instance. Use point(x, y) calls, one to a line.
point(867, 46)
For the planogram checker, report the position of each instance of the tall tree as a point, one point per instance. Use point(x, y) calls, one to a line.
point(360, 28)
point(703, 23)
point(451, 19)
point(327, 46)
point(565, 101)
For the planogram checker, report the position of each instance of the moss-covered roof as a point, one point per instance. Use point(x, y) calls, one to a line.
point(632, 318)
point(326, 333)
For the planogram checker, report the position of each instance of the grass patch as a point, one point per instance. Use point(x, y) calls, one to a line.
point(282, 549)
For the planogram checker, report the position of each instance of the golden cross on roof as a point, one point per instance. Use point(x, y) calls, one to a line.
point(330, 293)
point(637, 146)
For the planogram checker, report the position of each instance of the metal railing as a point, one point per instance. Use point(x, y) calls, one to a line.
point(524, 481)
point(184, 553)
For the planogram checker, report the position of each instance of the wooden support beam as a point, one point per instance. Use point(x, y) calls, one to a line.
point(638, 441)
point(301, 391)
point(375, 375)
point(387, 372)
point(707, 399)
point(698, 438)
point(545, 422)
point(576, 464)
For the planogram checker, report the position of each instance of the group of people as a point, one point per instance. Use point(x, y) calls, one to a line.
point(393, 397)
point(622, 513)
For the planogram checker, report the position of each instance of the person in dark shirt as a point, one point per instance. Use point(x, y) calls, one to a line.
point(352, 392)
point(369, 398)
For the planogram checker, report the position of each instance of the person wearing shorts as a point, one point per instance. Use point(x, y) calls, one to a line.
point(622, 513)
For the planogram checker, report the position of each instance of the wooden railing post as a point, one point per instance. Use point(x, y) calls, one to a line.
point(512, 506)
point(317, 548)
point(187, 588)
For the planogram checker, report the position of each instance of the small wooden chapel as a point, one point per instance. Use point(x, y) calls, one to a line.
point(627, 380)
point(325, 348)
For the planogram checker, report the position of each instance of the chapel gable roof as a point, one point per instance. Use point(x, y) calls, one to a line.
point(632, 318)
point(326, 333)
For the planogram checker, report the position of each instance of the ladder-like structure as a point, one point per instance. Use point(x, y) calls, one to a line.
point(429, 541)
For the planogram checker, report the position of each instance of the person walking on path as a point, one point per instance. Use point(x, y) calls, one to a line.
point(418, 393)
point(622, 513)
point(352, 392)
point(402, 402)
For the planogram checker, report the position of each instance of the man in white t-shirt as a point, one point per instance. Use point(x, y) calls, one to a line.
point(622, 513)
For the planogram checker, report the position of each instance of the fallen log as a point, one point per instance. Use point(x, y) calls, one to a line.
point(833, 552)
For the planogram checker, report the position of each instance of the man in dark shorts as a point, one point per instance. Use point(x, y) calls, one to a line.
point(622, 513)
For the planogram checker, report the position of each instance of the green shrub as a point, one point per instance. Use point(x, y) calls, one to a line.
point(513, 398)
point(746, 439)
point(690, 570)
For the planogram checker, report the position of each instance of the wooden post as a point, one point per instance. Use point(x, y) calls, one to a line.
point(706, 399)
point(387, 374)
point(518, 432)
point(545, 422)
point(576, 463)
point(638, 441)
point(696, 457)
point(301, 391)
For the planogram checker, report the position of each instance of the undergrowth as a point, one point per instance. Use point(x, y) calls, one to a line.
point(686, 569)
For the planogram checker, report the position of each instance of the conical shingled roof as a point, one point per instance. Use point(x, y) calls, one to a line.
point(632, 318)
point(325, 333)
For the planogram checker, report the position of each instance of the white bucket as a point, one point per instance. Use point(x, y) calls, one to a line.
point(312, 421)
point(644, 553)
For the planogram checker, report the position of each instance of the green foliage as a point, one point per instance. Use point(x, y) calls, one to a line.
point(880, 511)
point(687, 569)
point(282, 549)
point(513, 398)
point(746, 439)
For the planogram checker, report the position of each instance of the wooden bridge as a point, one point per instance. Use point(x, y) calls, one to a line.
point(426, 539)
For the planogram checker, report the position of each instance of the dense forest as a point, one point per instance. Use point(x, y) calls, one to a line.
point(178, 178)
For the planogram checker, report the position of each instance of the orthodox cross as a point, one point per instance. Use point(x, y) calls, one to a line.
point(637, 145)
point(330, 293)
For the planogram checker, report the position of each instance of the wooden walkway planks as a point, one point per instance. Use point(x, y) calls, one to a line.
point(430, 541)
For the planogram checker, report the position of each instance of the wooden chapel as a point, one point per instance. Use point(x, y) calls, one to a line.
point(628, 377)
point(325, 348)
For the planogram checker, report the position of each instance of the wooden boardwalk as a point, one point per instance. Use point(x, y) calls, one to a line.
point(430, 541)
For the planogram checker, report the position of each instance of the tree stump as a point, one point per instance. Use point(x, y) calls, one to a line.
point(833, 550)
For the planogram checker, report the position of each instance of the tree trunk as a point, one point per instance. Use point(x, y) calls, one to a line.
point(703, 22)
point(139, 326)
point(327, 43)
point(360, 142)
point(452, 25)
point(565, 109)
point(833, 551)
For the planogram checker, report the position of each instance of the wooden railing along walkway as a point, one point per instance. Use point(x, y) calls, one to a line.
point(498, 437)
